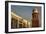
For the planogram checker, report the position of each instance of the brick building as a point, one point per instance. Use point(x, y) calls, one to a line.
point(35, 18)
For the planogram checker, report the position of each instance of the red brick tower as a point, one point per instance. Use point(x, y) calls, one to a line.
point(35, 18)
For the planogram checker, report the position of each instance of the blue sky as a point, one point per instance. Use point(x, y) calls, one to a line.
point(23, 11)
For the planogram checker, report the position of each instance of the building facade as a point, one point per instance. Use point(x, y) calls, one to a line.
point(19, 22)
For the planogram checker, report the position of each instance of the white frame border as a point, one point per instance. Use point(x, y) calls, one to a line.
point(24, 29)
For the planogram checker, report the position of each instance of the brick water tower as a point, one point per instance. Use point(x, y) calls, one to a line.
point(35, 18)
